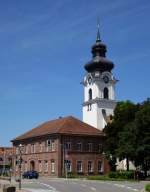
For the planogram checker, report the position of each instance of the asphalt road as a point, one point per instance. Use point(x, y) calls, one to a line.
point(74, 185)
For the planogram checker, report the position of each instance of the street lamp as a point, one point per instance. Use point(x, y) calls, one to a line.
point(20, 161)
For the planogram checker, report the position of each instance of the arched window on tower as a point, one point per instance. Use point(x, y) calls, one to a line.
point(90, 94)
point(106, 93)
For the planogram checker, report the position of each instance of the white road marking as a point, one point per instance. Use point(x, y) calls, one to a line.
point(38, 190)
point(28, 182)
point(119, 185)
point(83, 185)
point(129, 187)
point(109, 183)
point(123, 186)
point(93, 188)
point(52, 189)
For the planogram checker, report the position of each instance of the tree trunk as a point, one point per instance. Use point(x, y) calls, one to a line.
point(127, 162)
point(145, 168)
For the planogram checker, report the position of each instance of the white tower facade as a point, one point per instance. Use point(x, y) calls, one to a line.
point(99, 88)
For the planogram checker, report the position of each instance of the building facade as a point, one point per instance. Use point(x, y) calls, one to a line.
point(99, 87)
point(61, 146)
point(6, 159)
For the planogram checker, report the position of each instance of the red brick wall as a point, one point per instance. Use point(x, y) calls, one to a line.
point(58, 155)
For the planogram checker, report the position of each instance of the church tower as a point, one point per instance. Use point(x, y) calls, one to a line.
point(99, 87)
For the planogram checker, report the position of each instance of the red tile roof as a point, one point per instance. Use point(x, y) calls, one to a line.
point(66, 125)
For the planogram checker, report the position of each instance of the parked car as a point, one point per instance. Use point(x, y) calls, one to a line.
point(30, 175)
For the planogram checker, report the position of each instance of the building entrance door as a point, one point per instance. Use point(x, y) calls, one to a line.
point(32, 165)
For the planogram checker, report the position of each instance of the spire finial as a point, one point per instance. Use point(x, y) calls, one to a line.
point(98, 32)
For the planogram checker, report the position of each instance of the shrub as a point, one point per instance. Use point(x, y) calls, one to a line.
point(147, 187)
point(98, 177)
point(113, 174)
point(71, 175)
point(121, 174)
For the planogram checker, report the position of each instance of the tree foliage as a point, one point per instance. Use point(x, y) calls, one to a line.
point(128, 136)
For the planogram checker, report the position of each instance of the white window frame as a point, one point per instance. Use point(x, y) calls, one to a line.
point(90, 147)
point(79, 146)
point(40, 166)
point(100, 166)
point(26, 149)
point(32, 148)
point(53, 145)
point(52, 166)
point(26, 166)
point(90, 167)
point(17, 150)
point(40, 147)
point(45, 166)
point(68, 145)
point(48, 145)
point(69, 166)
point(79, 167)
point(100, 148)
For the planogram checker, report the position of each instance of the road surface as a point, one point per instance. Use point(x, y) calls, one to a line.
point(76, 185)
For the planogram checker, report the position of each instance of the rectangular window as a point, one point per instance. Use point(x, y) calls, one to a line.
point(32, 148)
point(89, 107)
point(26, 149)
point(90, 167)
point(68, 146)
point(79, 166)
point(40, 166)
point(100, 168)
point(90, 146)
point(100, 148)
point(68, 165)
point(52, 166)
point(46, 166)
point(40, 147)
point(48, 145)
point(26, 166)
point(16, 168)
point(21, 167)
point(17, 150)
point(53, 145)
point(79, 146)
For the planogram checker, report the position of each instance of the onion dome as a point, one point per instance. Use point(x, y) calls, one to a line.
point(99, 61)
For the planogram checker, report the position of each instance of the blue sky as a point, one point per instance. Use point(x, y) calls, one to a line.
point(44, 46)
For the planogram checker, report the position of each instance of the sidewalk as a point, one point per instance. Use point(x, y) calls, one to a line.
point(12, 183)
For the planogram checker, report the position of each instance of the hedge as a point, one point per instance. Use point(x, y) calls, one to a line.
point(147, 187)
point(121, 174)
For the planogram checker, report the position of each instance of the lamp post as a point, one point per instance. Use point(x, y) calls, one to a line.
point(4, 162)
point(64, 161)
point(20, 161)
point(103, 155)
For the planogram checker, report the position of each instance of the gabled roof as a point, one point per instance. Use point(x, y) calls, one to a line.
point(67, 125)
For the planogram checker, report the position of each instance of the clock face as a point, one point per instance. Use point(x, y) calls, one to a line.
point(89, 80)
point(106, 79)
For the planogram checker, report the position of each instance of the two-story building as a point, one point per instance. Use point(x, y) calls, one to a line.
point(60, 145)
